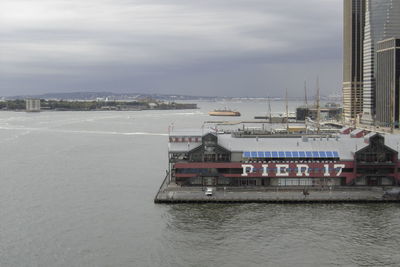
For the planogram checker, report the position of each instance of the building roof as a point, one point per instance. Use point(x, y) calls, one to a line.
point(190, 132)
point(345, 145)
point(345, 129)
point(182, 147)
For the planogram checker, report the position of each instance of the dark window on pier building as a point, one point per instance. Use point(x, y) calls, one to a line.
point(376, 152)
point(376, 163)
point(210, 151)
point(350, 170)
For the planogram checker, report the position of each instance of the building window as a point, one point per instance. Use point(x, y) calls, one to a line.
point(209, 157)
point(348, 170)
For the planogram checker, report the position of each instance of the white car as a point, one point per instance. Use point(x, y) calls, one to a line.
point(209, 191)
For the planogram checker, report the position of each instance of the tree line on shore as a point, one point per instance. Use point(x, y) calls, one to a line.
point(19, 104)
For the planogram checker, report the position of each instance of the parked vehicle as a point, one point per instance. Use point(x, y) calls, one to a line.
point(209, 191)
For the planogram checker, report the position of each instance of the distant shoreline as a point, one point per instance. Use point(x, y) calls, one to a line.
point(65, 105)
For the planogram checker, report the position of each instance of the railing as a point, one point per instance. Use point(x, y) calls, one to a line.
point(374, 163)
point(163, 184)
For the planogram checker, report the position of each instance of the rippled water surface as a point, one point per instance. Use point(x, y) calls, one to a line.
point(77, 188)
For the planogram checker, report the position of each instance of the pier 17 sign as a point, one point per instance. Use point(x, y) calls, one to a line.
point(294, 169)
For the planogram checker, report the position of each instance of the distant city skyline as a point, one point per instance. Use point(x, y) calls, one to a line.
point(234, 48)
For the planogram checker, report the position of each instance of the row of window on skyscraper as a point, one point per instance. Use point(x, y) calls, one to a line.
point(372, 61)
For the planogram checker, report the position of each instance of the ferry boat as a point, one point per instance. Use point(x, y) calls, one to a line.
point(224, 112)
point(353, 157)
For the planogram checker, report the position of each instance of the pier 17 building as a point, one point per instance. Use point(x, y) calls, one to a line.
point(355, 157)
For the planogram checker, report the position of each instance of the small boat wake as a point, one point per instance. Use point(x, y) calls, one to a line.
point(112, 133)
point(28, 130)
point(145, 133)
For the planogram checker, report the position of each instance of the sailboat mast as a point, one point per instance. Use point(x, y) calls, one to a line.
point(307, 111)
point(287, 113)
point(270, 111)
point(305, 94)
point(318, 108)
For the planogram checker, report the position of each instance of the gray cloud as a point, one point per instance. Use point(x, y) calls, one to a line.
point(218, 47)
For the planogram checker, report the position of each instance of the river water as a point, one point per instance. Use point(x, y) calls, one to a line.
point(77, 189)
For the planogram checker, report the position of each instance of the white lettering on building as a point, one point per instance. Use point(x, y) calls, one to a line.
point(265, 170)
point(339, 167)
point(281, 170)
point(247, 168)
point(300, 168)
point(326, 173)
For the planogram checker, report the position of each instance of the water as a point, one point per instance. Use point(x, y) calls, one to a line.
point(77, 189)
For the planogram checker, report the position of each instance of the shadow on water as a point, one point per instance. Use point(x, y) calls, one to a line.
point(308, 235)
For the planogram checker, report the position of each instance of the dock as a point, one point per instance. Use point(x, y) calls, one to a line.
point(173, 194)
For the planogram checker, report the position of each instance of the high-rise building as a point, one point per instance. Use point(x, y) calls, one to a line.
point(387, 83)
point(353, 35)
point(32, 105)
point(382, 21)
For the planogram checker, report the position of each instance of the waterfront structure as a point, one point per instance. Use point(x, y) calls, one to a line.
point(329, 112)
point(387, 83)
point(381, 22)
point(353, 35)
point(32, 105)
point(355, 158)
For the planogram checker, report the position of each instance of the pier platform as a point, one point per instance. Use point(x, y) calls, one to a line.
point(171, 194)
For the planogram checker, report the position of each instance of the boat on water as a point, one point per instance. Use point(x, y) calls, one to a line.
point(224, 112)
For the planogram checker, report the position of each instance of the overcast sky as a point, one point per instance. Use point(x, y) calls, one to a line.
point(194, 47)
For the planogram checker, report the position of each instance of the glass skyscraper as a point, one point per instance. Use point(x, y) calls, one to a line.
point(382, 21)
point(387, 83)
point(353, 34)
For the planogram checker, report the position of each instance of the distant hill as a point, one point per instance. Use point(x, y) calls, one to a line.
point(109, 95)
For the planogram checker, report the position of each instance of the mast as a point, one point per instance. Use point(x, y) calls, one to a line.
point(287, 113)
point(306, 103)
point(269, 108)
point(318, 108)
point(305, 94)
